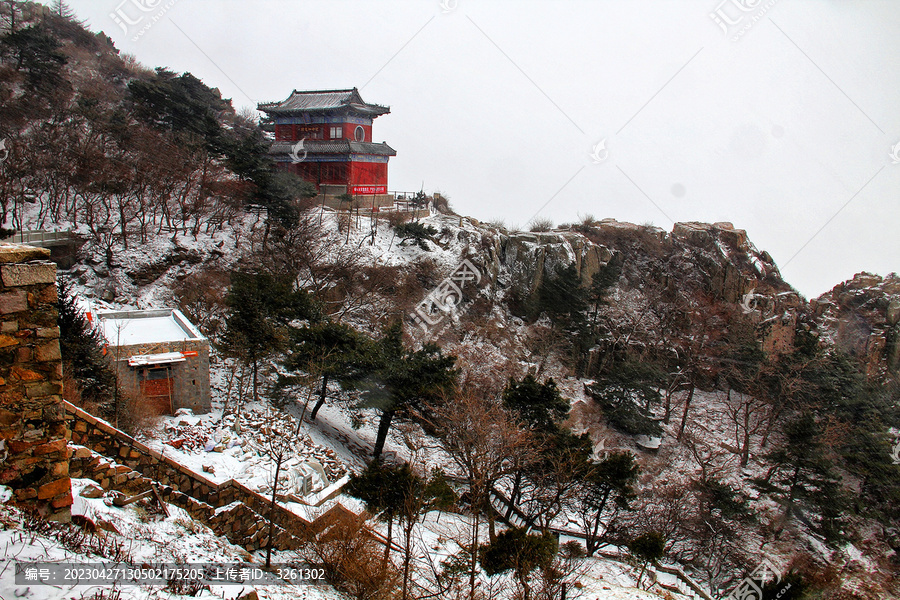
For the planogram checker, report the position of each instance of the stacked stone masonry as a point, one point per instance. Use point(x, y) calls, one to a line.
point(34, 458)
point(242, 513)
point(237, 522)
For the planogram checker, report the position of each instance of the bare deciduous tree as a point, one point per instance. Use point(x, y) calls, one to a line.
point(351, 557)
point(482, 438)
point(278, 441)
point(746, 413)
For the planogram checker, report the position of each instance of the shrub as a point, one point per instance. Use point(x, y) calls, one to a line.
point(586, 223)
point(516, 550)
point(541, 224)
point(398, 217)
point(417, 232)
point(621, 403)
point(352, 557)
point(442, 204)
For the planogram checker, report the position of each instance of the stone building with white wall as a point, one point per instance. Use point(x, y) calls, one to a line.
point(160, 356)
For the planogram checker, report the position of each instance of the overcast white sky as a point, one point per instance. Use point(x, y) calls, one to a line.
point(784, 125)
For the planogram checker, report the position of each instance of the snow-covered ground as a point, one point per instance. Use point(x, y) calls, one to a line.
point(142, 539)
point(177, 539)
point(345, 434)
point(209, 444)
point(341, 432)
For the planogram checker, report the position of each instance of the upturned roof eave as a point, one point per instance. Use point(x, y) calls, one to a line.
point(368, 110)
point(326, 147)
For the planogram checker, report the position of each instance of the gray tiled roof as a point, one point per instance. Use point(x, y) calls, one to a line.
point(334, 147)
point(324, 100)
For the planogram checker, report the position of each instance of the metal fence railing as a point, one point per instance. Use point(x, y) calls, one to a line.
point(40, 237)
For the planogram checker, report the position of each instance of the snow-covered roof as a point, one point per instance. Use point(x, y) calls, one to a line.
point(335, 147)
point(128, 328)
point(324, 100)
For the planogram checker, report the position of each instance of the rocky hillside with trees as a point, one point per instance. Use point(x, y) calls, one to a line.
point(666, 393)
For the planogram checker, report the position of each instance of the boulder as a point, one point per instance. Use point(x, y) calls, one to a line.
point(893, 311)
point(91, 491)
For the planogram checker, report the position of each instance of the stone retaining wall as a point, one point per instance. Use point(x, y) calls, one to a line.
point(237, 522)
point(34, 459)
point(153, 466)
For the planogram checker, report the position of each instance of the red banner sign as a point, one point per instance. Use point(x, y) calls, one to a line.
point(362, 190)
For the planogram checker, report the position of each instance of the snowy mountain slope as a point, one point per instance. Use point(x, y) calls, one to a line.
point(700, 261)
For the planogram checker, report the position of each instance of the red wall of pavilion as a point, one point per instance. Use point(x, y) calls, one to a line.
point(341, 173)
point(366, 173)
point(317, 131)
point(336, 173)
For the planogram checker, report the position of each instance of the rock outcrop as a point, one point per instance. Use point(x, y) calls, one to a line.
point(861, 316)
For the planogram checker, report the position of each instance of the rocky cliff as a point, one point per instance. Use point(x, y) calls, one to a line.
point(861, 316)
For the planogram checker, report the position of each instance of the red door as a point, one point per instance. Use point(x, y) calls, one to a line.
point(156, 389)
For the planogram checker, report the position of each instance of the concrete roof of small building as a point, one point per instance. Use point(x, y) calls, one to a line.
point(129, 328)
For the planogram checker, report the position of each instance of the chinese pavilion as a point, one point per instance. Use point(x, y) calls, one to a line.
point(325, 137)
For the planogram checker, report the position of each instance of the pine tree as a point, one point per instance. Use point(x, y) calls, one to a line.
point(396, 493)
point(383, 489)
point(62, 9)
point(562, 297)
point(802, 477)
point(333, 351)
point(539, 405)
point(560, 463)
point(403, 380)
point(648, 548)
point(82, 348)
point(36, 52)
point(626, 396)
point(561, 456)
point(521, 552)
point(279, 192)
point(606, 490)
point(261, 307)
point(602, 283)
point(183, 105)
point(416, 232)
